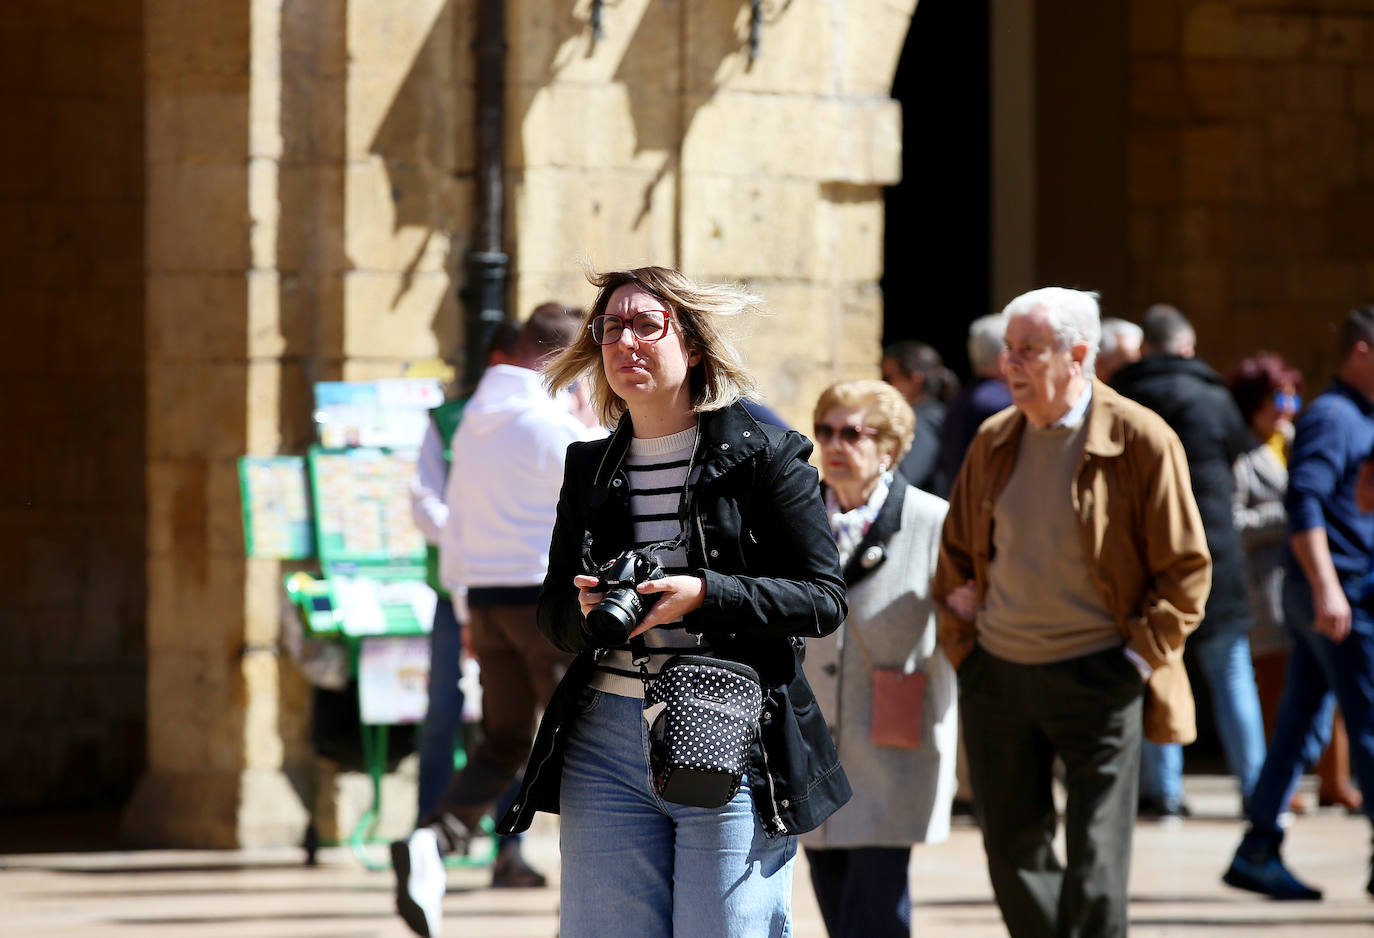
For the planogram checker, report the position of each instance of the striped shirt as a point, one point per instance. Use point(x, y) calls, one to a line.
point(657, 471)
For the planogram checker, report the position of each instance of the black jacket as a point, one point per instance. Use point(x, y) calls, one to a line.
point(1195, 403)
point(758, 536)
point(921, 464)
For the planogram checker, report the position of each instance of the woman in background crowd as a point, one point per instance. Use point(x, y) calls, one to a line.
point(888, 534)
point(1268, 392)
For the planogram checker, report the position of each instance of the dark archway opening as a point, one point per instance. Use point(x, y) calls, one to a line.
point(936, 256)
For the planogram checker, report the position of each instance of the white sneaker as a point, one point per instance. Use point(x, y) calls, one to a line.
point(420, 882)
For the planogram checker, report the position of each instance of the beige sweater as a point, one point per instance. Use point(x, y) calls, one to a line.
point(1042, 604)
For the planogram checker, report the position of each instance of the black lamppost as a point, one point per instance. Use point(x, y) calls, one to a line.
point(487, 264)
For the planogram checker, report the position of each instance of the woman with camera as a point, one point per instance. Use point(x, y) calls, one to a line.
point(881, 680)
point(731, 511)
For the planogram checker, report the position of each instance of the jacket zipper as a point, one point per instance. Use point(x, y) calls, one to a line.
point(778, 826)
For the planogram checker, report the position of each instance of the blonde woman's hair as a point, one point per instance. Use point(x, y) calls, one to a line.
point(699, 311)
point(885, 410)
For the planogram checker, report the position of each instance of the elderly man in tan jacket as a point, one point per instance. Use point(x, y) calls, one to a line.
point(1072, 567)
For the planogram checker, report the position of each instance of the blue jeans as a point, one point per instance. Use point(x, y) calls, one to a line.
point(863, 892)
point(635, 866)
point(1320, 673)
point(444, 715)
point(1225, 663)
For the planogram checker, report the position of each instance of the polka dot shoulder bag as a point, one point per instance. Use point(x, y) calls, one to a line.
point(703, 716)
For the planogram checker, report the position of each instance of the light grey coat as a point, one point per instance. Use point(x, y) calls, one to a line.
point(901, 797)
point(1257, 508)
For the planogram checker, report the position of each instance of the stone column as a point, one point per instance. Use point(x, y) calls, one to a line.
point(214, 346)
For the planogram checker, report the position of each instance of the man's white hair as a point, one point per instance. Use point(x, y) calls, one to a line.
point(985, 337)
point(1119, 333)
point(1073, 314)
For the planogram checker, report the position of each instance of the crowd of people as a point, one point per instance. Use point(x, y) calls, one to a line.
point(978, 591)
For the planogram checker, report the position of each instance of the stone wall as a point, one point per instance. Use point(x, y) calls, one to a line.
point(302, 191)
point(72, 524)
point(664, 142)
point(224, 379)
point(1251, 193)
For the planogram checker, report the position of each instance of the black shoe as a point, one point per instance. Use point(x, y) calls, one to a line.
point(510, 871)
point(1268, 878)
point(1167, 811)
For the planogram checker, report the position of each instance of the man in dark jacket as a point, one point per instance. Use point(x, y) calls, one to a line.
point(1194, 401)
point(917, 371)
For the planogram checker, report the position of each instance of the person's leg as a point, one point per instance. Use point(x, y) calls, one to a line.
point(1299, 731)
point(1304, 715)
point(1010, 766)
point(1161, 779)
point(1349, 666)
point(544, 668)
point(829, 869)
point(444, 713)
point(1225, 660)
point(616, 839)
point(868, 891)
point(508, 708)
point(729, 876)
point(1094, 720)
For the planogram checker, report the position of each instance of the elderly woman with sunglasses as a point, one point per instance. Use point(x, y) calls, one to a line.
point(731, 510)
point(881, 680)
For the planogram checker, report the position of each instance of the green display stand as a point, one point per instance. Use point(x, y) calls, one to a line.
point(372, 598)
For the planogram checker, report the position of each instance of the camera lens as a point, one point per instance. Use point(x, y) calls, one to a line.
point(615, 617)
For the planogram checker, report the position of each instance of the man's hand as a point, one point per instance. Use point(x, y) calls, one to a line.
point(1330, 608)
point(1331, 612)
point(963, 600)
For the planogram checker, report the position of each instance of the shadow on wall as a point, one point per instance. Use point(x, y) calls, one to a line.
point(426, 138)
point(425, 143)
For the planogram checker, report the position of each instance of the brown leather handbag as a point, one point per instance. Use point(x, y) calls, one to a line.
point(898, 698)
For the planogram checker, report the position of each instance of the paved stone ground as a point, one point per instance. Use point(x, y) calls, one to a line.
point(1175, 889)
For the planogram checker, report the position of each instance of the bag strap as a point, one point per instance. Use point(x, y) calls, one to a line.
point(907, 668)
point(859, 644)
point(639, 657)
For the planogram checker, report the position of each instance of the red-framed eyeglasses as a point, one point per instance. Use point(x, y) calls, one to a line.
point(647, 325)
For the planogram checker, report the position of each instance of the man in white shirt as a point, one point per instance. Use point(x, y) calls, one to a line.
point(502, 495)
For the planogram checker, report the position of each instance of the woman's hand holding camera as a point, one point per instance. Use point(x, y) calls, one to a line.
point(681, 594)
point(585, 597)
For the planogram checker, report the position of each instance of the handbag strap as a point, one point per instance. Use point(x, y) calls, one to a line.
point(639, 656)
point(908, 668)
point(859, 644)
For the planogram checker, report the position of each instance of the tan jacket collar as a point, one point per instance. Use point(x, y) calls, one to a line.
point(1105, 435)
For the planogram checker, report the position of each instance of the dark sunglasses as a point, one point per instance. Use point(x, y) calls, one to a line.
point(1287, 402)
point(824, 433)
point(648, 325)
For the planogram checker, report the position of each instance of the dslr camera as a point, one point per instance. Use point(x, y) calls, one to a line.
point(611, 621)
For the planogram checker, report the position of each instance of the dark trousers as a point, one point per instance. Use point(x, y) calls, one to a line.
point(863, 892)
point(444, 715)
point(1017, 718)
point(519, 669)
point(1320, 672)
